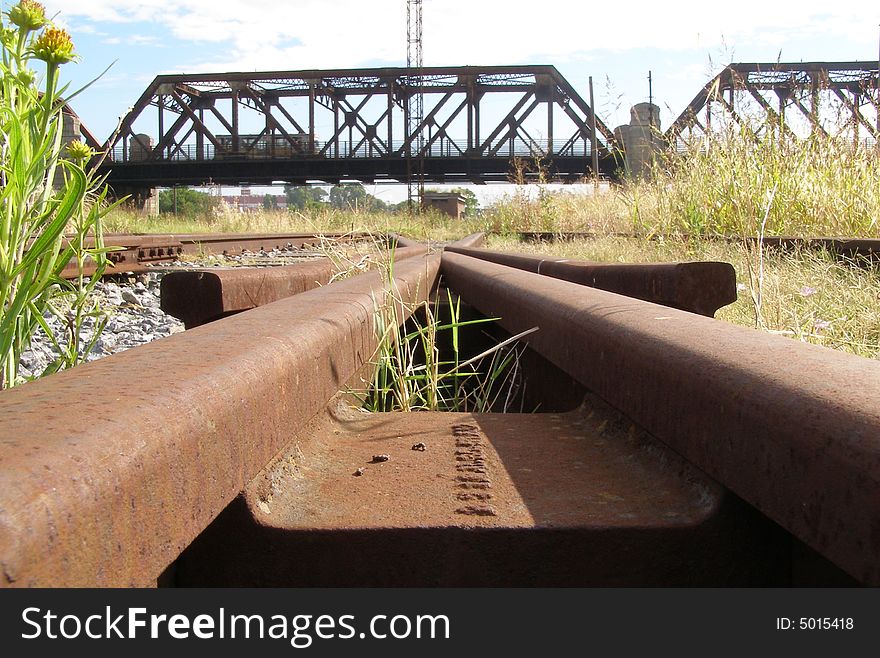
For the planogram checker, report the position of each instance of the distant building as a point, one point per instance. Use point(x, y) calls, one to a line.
point(449, 203)
point(253, 202)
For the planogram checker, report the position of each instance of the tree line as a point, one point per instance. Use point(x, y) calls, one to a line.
point(345, 196)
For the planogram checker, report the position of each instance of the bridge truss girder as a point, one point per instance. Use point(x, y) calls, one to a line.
point(363, 114)
point(797, 98)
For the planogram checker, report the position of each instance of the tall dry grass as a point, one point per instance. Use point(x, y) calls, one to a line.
point(734, 183)
point(425, 226)
point(738, 184)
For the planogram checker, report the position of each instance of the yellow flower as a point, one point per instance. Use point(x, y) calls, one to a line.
point(54, 46)
point(28, 15)
point(79, 150)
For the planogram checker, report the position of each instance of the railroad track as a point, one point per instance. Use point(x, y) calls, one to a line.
point(865, 249)
point(668, 448)
point(135, 253)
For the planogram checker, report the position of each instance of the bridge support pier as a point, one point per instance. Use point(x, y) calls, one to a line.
point(641, 139)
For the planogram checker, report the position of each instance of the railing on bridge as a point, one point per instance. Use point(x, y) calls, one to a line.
point(443, 148)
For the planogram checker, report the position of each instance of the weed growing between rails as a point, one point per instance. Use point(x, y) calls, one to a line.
point(419, 364)
point(350, 258)
point(352, 255)
point(755, 263)
point(49, 204)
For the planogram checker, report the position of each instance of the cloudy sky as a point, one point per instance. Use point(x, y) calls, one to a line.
point(615, 42)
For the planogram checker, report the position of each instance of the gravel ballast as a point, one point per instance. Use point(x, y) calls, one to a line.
point(135, 319)
point(132, 302)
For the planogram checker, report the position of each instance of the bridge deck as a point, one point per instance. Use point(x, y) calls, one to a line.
point(478, 169)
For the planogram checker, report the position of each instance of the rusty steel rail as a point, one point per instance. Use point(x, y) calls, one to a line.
point(204, 295)
point(201, 296)
point(402, 241)
point(701, 287)
point(472, 241)
point(856, 248)
point(133, 253)
point(228, 243)
point(792, 428)
point(105, 486)
point(863, 248)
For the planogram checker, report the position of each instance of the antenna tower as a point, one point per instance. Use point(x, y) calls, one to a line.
point(415, 163)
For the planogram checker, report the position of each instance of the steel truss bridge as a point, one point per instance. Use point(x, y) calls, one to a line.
point(479, 124)
point(798, 98)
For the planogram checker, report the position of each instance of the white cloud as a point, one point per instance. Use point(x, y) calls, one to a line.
point(263, 34)
point(81, 28)
point(143, 40)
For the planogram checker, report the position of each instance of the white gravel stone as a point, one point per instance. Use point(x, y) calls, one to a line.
point(133, 303)
point(135, 319)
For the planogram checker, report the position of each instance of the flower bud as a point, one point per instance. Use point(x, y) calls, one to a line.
point(26, 77)
point(79, 151)
point(28, 15)
point(8, 37)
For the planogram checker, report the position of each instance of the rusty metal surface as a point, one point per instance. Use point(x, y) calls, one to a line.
point(233, 243)
point(566, 236)
point(472, 241)
point(204, 295)
point(792, 428)
point(102, 485)
point(462, 499)
point(701, 287)
point(402, 241)
point(201, 296)
point(134, 252)
point(857, 248)
point(863, 248)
